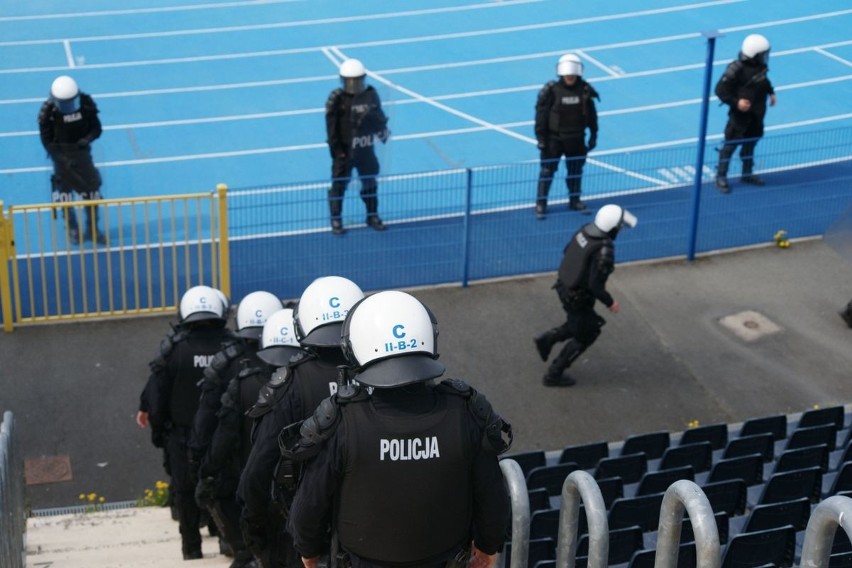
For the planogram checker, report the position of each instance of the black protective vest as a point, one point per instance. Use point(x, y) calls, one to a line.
point(186, 367)
point(69, 128)
point(251, 381)
point(398, 468)
point(580, 252)
point(316, 380)
point(568, 108)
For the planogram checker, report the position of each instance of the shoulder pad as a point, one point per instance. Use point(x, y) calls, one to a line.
point(545, 90)
point(169, 341)
point(497, 433)
point(606, 259)
point(591, 92)
point(455, 386)
point(300, 357)
point(249, 371)
point(333, 99)
point(46, 110)
point(231, 397)
point(270, 393)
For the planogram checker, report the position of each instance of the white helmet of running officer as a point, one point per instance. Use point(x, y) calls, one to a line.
point(756, 47)
point(611, 218)
point(569, 64)
point(253, 312)
point(391, 340)
point(278, 342)
point(322, 309)
point(352, 75)
point(65, 94)
point(201, 303)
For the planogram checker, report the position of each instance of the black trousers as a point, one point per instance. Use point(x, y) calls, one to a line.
point(183, 488)
point(743, 130)
point(367, 165)
point(574, 149)
point(581, 329)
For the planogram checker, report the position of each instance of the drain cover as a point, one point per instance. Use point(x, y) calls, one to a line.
point(750, 325)
point(47, 469)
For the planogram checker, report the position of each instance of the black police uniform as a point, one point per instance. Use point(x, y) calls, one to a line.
point(846, 314)
point(173, 394)
point(218, 472)
point(67, 139)
point(562, 115)
point(353, 123)
point(407, 477)
point(745, 78)
point(588, 260)
point(292, 395)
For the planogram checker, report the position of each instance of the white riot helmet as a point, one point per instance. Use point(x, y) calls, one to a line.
point(569, 64)
point(278, 342)
point(65, 94)
point(755, 46)
point(253, 312)
point(391, 339)
point(201, 303)
point(610, 218)
point(322, 309)
point(352, 75)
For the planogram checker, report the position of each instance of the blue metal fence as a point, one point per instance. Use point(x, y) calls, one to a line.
point(12, 515)
point(458, 226)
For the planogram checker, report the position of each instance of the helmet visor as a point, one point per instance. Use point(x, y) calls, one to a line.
point(68, 106)
point(400, 371)
point(629, 219)
point(353, 85)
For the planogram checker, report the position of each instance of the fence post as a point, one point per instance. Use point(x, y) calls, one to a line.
point(833, 512)
point(466, 227)
point(702, 140)
point(686, 495)
point(5, 284)
point(517, 486)
point(224, 246)
point(579, 487)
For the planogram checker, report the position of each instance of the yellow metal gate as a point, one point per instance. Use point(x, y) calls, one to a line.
point(154, 249)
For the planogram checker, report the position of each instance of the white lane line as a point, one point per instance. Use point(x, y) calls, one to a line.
point(69, 57)
point(454, 132)
point(137, 11)
point(846, 62)
point(598, 64)
point(280, 25)
point(787, 21)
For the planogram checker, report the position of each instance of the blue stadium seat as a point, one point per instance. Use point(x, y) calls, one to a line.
point(528, 460)
point(790, 485)
point(629, 468)
point(763, 444)
point(729, 496)
point(641, 511)
point(750, 550)
point(659, 481)
point(774, 515)
point(840, 481)
point(818, 416)
point(800, 458)
point(813, 436)
point(622, 544)
point(540, 549)
point(686, 557)
point(550, 477)
point(716, 434)
point(586, 456)
point(698, 455)
point(545, 524)
point(611, 489)
point(775, 425)
point(652, 444)
point(539, 499)
point(748, 468)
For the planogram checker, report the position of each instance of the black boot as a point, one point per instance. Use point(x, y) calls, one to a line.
point(847, 314)
point(544, 343)
point(92, 231)
point(722, 184)
point(337, 227)
point(541, 211)
point(722, 169)
point(753, 179)
point(374, 221)
point(561, 380)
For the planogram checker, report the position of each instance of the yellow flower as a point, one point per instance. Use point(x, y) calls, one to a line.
point(101, 499)
point(82, 497)
point(92, 496)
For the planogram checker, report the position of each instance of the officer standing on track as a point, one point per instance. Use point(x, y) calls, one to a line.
point(744, 87)
point(407, 476)
point(588, 261)
point(292, 394)
point(68, 123)
point(173, 393)
point(563, 111)
point(354, 119)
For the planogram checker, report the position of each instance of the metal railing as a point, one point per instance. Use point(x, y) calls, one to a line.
point(154, 249)
point(579, 487)
point(13, 520)
point(831, 513)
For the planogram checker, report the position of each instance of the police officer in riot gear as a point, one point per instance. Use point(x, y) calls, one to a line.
point(291, 395)
point(564, 110)
point(354, 120)
point(172, 394)
point(219, 469)
point(588, 261)
point(68, 123)
point(744, 87)
point(846, 314)
point(409, 475)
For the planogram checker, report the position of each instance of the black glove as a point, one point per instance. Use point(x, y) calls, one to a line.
point(83, 143)
point(384, 135)
point(593, 142)
point(204, 492)
point(541, 143)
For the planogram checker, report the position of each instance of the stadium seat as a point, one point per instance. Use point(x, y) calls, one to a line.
point(845, 455)
point(652, 444)
point(774, 515)
point(539, 499)
point(790, 485)
point(622, 544)
point(801, 458)
point(659, 481)
point(763, 444)
point(611, 489)
point(698, 455)
point(840, 481)
point(748, 468)
point(540, 549)
point(730, 496)
point(550, 477)
point(544, 524)
point(813, 436)
point(641, 511)
point(528, 460)
point(775, 425)
point(687, 533)
point(586, 456)
point(840, 560)
point(629, 468)
point(716, 434)
point(819, 416)
point(686, 557)
point(749, 550)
